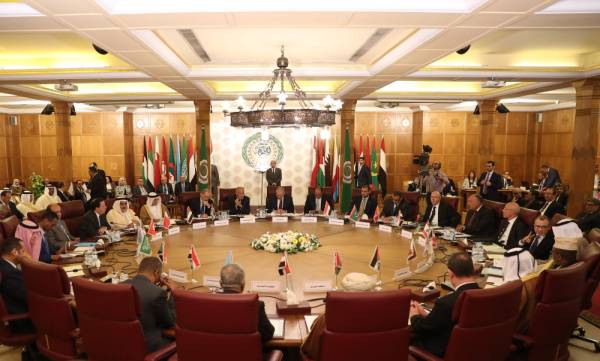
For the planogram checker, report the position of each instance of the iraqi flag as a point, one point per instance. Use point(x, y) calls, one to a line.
point(193, 258)
point(326, 209)
point(375, 259)
point(382, 173)
point(284, 266)
point(337, 262)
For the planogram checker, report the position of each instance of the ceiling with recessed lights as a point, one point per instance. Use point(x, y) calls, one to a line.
point(378, 50)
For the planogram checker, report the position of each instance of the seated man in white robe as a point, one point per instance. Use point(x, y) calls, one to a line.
point(153, 209)
point(49, 197)
point(26, 204)
point(121, 216)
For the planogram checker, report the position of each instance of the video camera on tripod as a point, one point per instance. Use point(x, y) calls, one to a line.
point(423, 160)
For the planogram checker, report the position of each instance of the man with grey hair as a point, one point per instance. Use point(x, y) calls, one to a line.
point(233, 280)
point(512, 228)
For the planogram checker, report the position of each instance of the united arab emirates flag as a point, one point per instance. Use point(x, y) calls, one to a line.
point(346, 203)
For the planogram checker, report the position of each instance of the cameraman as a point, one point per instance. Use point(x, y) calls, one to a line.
point(436, 180)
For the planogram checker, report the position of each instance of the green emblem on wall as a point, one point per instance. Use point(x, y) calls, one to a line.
point(258, 153)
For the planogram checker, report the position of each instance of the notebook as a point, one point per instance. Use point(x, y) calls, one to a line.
point(310, 319)
point(279, 325)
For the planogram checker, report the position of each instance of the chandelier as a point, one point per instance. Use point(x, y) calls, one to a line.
point(306, 115)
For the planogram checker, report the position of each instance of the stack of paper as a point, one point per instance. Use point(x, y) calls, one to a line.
point(310, 319)
point(279, 325)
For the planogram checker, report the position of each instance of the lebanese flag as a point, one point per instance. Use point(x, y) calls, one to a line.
point(284, 266)
point(337, 262)
point(167, 222)
point(151, 228)
point(315, 170)
point(326, 209)
point(193, 258)
point(335, 181)
point(375, 259)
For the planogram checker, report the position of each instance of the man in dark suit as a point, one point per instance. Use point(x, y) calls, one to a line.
point(183, 185)
point(551, 206)
point(141, 189)
point(164, 187)
point(480, 221)
point(512, 228)
point(158, 307)
point(5, 208)
point(364, 204)
point(395, 205)
point(590, 218)
point(562, 198)
point(273, 175)
point(12, 287)
point(551, 176)
point(439, 213)
point(233, 280)
point(239, 203)
point(362, 173)
point(489, 182)
point(94, 221)
point(316, 200)
point(431, 330)
point(281, 203)
point(202, 206)
point(59, 192)
point(97, 183)
point(541, 240)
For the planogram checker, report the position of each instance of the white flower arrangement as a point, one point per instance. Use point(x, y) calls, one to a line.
point(290, 242)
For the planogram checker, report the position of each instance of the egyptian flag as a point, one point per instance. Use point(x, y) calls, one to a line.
point(284, 266)
point(337, 262)
point(162, 253)
point(193, 258)
point(326, 209)
point(412, 252)
point(151, 229)
point(375, 260)
point(166, 222)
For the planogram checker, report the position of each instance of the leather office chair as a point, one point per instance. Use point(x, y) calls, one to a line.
point(109, 203)
point(36, 216)
point(374, 193)
point(7, 337)
point(591, 283)
point(271, 190)
point(108, 319)
point(218, 327)
point(529, 215)
point(72, 213)
point(497, 207)
point(379, 331)
point(224, 196)
point(557, 218)
point(554, 316)
point(184, 198)
point(9, 226)
point(413, 199)
point(451, 201)
point(48, 297)
point(481, 316)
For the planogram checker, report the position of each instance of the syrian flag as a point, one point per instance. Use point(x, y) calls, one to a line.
point(284, 266)
point(337, 262)
point(335, 181)
point(144, 248)
point(375, 260)
point(326, 209)
point(166, 222)
point(382, 169)
point(193, 258)
point(151, 228)
point(412, 251)
point(162, 253)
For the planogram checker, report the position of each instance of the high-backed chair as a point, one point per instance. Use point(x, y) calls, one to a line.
point(591, 283)
point(476, 325)
point(451, 201)
point(271, 190)
point(325, 190)
point(558, 302)
point(48, 298)
point(72, 213)
point(36, 216)
point(557, 217)
point(202, 333)
point(374, 193)
point(413, 199)
point(8, 226)
point(497, 207)
point(224, 195)
point(379, 331)
point(529, 215)
point(7, 337)
point(109, 203)
point(184, 197)
point(110, 327)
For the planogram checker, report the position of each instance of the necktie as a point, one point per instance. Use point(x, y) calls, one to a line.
point(279, 204)
point(543, 210)
point(394, 209)
point(487, 179)
point(363, 204)
point(183, 187)
point(534, 244)
point(502, 230)
point(471, 220)
point(318, 204)
point(432, 214)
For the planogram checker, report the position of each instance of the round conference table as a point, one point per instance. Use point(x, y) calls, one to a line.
point(355, 245)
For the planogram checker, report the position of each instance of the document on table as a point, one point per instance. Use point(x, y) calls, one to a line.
point(279, 325)
point(310, 319)
point(493, 248)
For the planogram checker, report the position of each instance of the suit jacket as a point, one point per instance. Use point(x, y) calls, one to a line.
point(587, 221)
point(551, 179)
point(288, 204)
point(13, 288)
point(273, 178)
point(553, 208)
point(363, 177)
point(178, 188)
point(491, 191)
point(265, 328)
point(432, 332)
point(198, 208)
point(447, 216)
point(244, 209)
point(481, 224)
point(519, 230)
point(403, 206)
point(158, 311)
point(137, 190)
point(14, 210)
point(562, 199)
point(369, 207)
point(543, 249)
point(97, 186)
point(62, 195)
point(311, 201)
point(57, 236)
point(161, 189)
point(89, 225)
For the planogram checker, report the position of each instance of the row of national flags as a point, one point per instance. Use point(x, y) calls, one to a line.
point(374, 159)
point(172, 156)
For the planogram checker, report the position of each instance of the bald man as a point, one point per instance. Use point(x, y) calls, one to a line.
point(512, 227)
point(439, 213)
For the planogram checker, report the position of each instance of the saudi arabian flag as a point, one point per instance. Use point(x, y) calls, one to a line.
point(203, 165)
point(374, 168)
point(321, 170)
point(346, 203)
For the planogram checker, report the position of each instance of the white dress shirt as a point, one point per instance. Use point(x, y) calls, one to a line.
point(436, 209)
point(504, 237)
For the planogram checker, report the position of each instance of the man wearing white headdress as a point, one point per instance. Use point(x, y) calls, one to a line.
point(153, 209)
point(49, 197)
point(121, 216)
point(517, 263)
point(26, 205)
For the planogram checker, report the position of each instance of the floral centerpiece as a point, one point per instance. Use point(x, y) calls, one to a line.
point(290, 242)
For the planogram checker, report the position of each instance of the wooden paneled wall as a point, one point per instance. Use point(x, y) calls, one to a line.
point(556, 142)
point(4, 159)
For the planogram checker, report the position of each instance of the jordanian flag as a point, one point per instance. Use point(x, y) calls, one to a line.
point(203, 169)
point(346, 203)
point(374, 168)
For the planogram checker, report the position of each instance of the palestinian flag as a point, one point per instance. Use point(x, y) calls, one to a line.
point(374, 168)
point(151, 229)
point(337, 262)
point(162, 253)
point(382, 176)
point(284, 266)
point(193, 258)
point(375, 260)
point(412, 251)
point(326, 209)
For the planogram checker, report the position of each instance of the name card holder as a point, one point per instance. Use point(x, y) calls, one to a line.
point(173, 230)
point(384, 228)
point(221, 222)
point(317, 286)
point(308, 219)
point(199, 225)
point(247, 220)
point(361, 224)
point(279, 219)
point(406, 234)
point(211, 281)
point(401, 273)
point(336, 221)
point(178, 276)
point(265, 286)
point(422, 241)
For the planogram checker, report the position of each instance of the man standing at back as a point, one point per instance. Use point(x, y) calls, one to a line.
point(274, 175)
point(97, 183)
point(489, 182)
